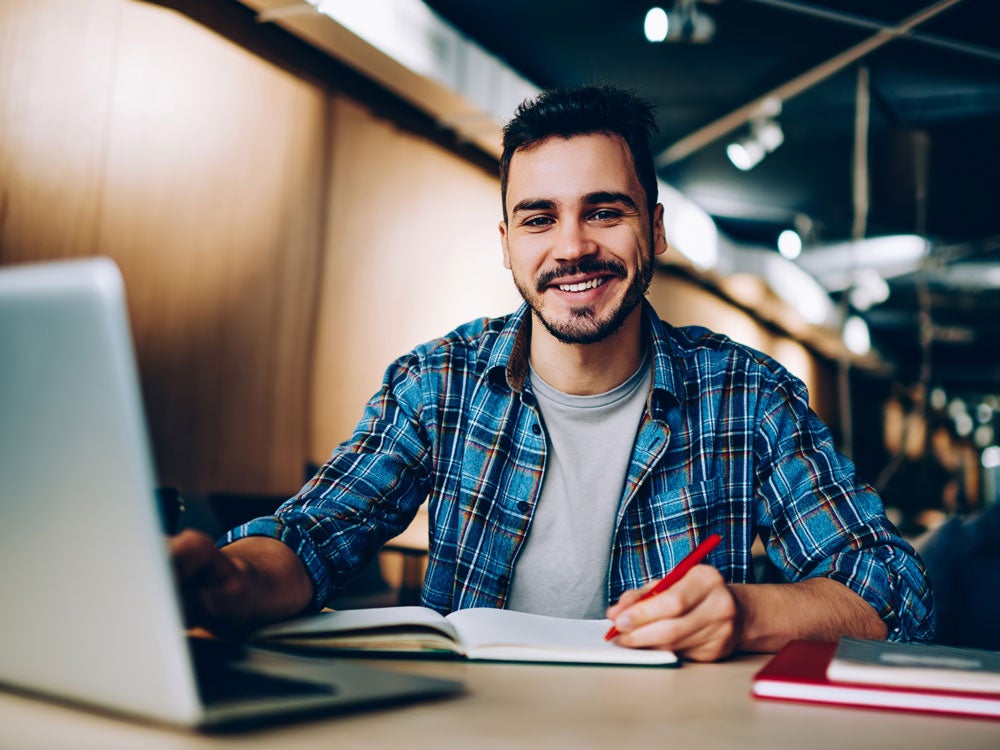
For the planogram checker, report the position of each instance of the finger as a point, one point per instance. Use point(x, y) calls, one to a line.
point(706, 632)
point(677, 632)
point(681, 598)
point(666, 624)
point(708, 642)
point(627, 599)
point(715, 640)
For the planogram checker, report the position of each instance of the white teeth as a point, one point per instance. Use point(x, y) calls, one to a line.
point(592, 284)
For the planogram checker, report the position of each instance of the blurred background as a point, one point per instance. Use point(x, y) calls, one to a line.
point(298, 192)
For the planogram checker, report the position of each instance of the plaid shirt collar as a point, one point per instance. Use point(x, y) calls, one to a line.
point(507, 367)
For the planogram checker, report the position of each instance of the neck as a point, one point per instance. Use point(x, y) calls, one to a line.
point(588, 369)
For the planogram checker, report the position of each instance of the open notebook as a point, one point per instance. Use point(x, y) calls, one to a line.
point(475, 634)
point(89, 613)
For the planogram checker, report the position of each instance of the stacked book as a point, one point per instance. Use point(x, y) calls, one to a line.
point(878, 674)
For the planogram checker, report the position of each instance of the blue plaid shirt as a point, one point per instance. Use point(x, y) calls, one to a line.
point(727, 444)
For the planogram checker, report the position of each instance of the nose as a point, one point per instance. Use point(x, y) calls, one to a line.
point(573, 242)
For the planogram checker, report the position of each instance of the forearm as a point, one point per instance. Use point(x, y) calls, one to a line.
point(771, 615)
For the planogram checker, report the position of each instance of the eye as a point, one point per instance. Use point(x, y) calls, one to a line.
point(606, 214)
point(538, 221)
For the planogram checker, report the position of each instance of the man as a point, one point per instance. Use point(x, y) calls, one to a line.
point(573, 452)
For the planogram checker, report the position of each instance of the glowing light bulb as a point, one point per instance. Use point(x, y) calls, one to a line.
point(790, 244)
point(656, 25)
point(856, 336)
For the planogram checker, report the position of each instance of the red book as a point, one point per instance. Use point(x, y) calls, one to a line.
point(798, 673)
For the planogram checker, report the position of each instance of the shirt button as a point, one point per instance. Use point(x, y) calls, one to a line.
point(523, 506)
point(503, 581)
point(536, 428)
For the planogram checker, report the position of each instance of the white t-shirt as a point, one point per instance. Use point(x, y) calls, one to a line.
point(562, 569)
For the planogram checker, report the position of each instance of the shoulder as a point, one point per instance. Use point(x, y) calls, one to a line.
point(703, 367)
point(463, 352)
point(702, 350)
point(475, 339)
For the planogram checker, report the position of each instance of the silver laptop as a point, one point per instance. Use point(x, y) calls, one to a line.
point(89, 612)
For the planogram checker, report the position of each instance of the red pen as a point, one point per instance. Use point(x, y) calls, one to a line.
point(696, 556)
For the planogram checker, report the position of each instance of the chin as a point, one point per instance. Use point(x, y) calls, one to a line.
point(584, 328)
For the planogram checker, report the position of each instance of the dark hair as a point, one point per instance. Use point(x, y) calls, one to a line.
point(583, 111)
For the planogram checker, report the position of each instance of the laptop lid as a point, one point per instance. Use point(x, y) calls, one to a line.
point(90, 612)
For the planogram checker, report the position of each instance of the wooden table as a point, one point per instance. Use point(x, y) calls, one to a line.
point(696, 707)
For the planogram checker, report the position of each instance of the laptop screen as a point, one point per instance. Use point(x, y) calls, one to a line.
point(84, 575)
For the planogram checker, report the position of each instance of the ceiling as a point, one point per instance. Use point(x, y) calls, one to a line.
point(932, 160)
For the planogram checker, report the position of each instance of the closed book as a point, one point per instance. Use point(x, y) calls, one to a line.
point(799, 673)
point(923, 665)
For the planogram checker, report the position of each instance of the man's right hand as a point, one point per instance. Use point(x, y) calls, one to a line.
point(246, 584)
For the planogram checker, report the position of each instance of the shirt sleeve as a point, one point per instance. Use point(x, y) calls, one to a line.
point(820, 520)
point(367, 493)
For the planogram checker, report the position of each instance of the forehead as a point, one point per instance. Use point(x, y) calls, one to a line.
point(563, 168)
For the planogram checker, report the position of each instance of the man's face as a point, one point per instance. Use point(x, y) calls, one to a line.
point(579, 240)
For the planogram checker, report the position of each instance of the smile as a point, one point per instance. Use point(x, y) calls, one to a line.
point(583, 285)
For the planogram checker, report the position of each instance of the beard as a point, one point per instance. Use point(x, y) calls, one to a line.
point(583, 326)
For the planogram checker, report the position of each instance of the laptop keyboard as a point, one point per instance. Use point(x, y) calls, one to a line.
point(223, 679)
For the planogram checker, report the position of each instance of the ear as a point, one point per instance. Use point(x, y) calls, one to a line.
point(659, 232)
point(504, 244)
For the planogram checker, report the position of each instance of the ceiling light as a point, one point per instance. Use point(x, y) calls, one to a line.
point(684, 23)
point(856, 336)
point(984, 412)
point(764, 137)
point(869, 289)
point(963, 425)
point(991, 457)
point(790, 244)
point(656, 25)
point(957, 408)
point(837, 265)
point(797, 288)
point(983, 435)
point(938, 399)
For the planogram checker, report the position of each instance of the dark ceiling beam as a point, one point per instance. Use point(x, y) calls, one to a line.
point(871, 24)
point(737, 118)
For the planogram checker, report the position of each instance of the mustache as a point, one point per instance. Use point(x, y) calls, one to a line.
point(584, 266)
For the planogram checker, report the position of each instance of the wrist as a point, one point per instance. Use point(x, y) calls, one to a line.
point(745, 624)
point(772, 614)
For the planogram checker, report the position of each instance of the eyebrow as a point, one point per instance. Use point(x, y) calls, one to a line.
point(533, 204)
point(603, 196)
point(590, 199)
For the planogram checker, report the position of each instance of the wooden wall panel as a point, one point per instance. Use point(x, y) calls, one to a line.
point(412, 251)
point(57, 63)
point(213, 207)
point(200, 170)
